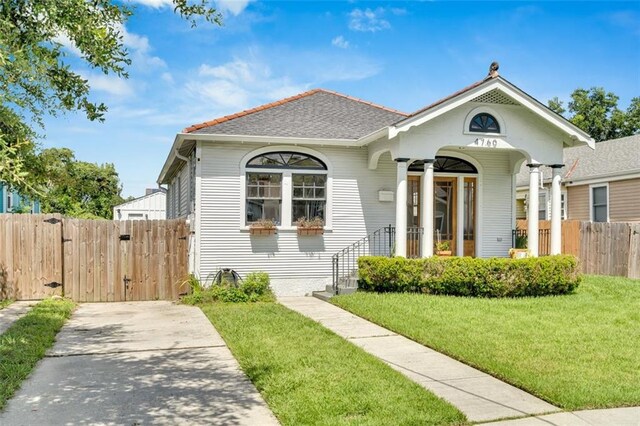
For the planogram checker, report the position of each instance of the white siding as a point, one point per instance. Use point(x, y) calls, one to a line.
point(183, 203)
point(496, 202)
point(356, 213)
point(178, 194)
point(151, 207)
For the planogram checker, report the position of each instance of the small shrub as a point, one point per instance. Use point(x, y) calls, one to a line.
point(466, 276)
point(254, 288)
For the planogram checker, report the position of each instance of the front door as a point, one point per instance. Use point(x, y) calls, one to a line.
point(445, 213)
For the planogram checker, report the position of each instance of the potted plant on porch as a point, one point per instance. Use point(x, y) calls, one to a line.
point(443, 248)
point(309, 227)
point(263, 227)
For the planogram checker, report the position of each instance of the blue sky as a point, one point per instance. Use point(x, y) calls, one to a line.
point(404, 55)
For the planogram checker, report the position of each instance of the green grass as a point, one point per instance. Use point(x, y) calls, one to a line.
point(5, 303)
point(26, 341)
point(310, 376)
point(576, 351)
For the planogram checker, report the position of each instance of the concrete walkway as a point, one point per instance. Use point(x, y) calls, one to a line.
point(138, 363)
point(629, 416)
point(478, 395)
point(12, 312)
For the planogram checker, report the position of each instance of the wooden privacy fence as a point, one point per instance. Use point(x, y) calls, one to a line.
point(570, 236)
point(91, 260)
point(610, 249)
point(603, 248)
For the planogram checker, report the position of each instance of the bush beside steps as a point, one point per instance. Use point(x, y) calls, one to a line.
point(467, 276)
point(254, 288)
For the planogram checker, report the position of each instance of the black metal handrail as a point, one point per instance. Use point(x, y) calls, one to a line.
point(379, 243)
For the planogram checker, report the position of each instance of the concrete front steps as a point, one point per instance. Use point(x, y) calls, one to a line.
point(329, 292)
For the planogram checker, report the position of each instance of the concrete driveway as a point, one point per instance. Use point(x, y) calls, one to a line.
point(138, 363)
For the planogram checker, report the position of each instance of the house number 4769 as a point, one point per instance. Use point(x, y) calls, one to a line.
point(490, 143)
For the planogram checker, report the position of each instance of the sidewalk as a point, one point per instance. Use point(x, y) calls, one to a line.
point(138, 363)
point(478, 395)
point(628, 416)
point(13, 312)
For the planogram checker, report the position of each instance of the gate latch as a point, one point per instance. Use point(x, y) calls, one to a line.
point(53, 284)
point(126, 281)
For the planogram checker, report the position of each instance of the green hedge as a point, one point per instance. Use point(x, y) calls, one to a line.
point(467, 276)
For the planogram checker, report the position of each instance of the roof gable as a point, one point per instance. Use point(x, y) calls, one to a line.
point(499, 90)
point(317, 114)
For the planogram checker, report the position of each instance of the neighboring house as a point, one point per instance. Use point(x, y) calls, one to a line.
point(11, 201)
point(360, 167)
point(601, 185)
point(150, 206)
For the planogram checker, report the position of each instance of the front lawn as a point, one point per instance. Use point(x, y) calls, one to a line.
point(27, 340)
point(308, 375)
point(576, 351)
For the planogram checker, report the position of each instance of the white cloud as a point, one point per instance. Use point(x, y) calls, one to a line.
point(154, 3)
point(368, 20)
point(110, 84)
point(340, 42)
point(140, 48)
point(66, 42)
point(235, 7)
point(167, 77)
point(240, 84)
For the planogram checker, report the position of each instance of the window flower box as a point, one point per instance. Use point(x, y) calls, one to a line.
point(310, 227)
point(262, 227)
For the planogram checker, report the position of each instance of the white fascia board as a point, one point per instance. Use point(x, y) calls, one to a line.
point(374, 136)
point(443, 108)
point(170, 158)
point(267, 139)
point(611, 177)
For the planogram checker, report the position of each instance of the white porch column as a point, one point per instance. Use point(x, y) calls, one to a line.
point(427, 209)
point(532, 228)
point(556, 217)
point(401, 207)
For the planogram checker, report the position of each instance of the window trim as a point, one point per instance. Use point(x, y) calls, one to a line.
point(286, 221)
point(591, 188)
point(487, 110)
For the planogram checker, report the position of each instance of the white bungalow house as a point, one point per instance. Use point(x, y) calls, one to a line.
point(373, 174)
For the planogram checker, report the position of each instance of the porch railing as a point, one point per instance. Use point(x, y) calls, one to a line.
point(379, 243)
point(519, 240)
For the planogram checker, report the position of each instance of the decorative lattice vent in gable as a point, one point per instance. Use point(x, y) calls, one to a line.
point(494, 97)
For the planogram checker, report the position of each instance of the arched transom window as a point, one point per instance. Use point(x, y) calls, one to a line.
point(484, 123)
point(286, 160)
point(445, 165)
point(266, 196)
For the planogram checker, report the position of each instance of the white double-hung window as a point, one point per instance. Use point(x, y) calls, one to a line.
point(284, 187)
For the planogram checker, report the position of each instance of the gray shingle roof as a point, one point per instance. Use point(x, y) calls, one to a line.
point(610, 157)
point(315, 114)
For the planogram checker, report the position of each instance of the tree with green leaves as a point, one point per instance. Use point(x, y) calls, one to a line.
point(596, 112)
point(76, 188)
point(35, 77)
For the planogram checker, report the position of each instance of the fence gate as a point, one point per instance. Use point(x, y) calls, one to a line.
point(30, 256)
point(91, 260)
point(118, 261)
